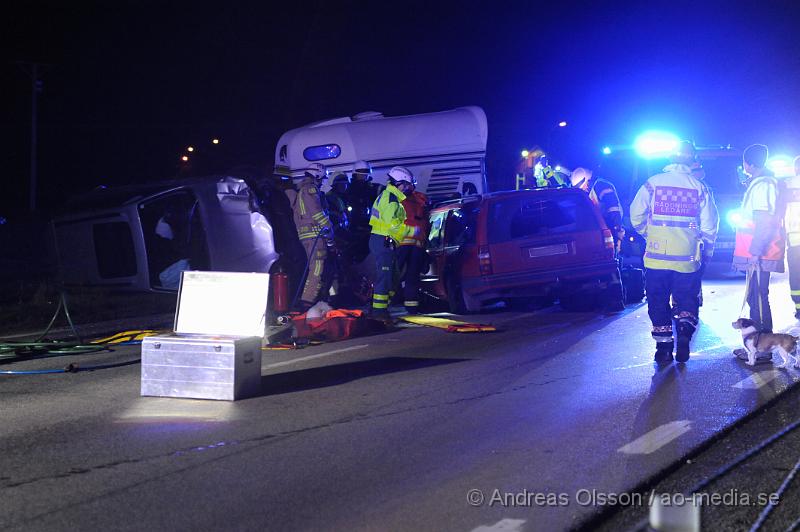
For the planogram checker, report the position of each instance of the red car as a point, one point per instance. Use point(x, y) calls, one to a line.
point(519, 245)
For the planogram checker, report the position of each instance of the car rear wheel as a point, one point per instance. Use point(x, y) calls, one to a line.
point(457, 300)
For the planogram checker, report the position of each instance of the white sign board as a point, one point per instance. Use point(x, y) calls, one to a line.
point(222, 303)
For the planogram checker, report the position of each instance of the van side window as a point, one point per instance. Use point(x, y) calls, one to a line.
point(320, 153)
point(435, 234)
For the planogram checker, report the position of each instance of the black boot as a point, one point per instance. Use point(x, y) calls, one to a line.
point(663, 353)
point(685, 332)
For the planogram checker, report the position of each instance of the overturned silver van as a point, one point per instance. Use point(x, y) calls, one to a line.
point(140, 237)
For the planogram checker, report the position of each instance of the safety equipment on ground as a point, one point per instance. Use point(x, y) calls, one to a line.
point(280, 292)
point(580, 177)
point(685, 152)
point(677, 216)
point(400, 173)
point(448, 324)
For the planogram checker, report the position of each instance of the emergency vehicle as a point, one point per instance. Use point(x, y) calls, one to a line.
point(446, 151)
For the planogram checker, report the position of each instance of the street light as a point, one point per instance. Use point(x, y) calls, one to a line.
point(606, 150)
point(214, 141)
point(563, 123)
point(190, 148)
point(553, 129)
point(185, 158)
point(525, 154)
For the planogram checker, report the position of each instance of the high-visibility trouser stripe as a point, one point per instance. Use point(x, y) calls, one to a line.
point(375, 304)
point(674, 223)
point(320, 216)
point(673, 258)
point(380, 297)
point(411, 303)
point(797, 306)
point(795, 292)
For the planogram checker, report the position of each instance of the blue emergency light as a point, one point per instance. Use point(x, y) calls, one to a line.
point(654, 144)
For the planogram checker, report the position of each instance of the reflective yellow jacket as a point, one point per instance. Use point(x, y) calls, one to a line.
point(388, 216)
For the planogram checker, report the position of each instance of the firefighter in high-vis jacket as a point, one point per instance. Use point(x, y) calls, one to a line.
point(313, 228)
point(792, 224)
point(676, 214)
point(545, 175)
point(411, 250)
point(388, 223)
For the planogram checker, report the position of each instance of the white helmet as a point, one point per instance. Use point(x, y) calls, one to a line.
point(401, 173)
point(316, 170)
point(362, 167)
point(580, 176)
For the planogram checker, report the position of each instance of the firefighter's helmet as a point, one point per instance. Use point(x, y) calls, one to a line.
point(685, 153)
point(315, 170)
point(339, 178)
point(362, 168)
point(399, 174)
point(580, 177)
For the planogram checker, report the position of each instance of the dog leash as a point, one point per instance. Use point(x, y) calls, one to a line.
point(753, 269)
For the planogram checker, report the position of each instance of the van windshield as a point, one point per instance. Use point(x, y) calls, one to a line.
point(527, 216)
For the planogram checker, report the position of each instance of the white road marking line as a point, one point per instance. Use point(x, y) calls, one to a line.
point(757, 380)
point(320, 355)
point(505, 525)
point(657, 438)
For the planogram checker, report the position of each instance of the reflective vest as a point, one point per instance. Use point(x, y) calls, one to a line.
point(546, 177)
point(604, 195)
point(792, 216)
point(387, 217)
point(310, 217)
point(676, 214)
point(415, 206)
point(761, 195)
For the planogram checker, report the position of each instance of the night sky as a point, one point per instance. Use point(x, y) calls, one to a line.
point(130, 84)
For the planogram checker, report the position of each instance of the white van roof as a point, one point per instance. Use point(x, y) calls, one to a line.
point(376, 138)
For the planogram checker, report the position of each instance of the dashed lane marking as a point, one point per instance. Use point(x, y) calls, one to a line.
point(657, 438)
point(757, 380)
point(504, 525)
point(319, 355)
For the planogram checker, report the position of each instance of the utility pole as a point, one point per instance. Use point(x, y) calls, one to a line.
point(34, 71)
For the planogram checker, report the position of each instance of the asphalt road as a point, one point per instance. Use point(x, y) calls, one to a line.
point(534, 427)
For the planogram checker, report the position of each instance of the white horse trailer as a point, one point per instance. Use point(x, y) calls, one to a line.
point(446, 151)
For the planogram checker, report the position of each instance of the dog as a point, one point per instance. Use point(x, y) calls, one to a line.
point(755, 341)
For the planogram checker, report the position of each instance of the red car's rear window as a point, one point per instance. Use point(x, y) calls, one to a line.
point(530, 216)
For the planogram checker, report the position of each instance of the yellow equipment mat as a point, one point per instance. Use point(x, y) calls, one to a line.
point(448, 324)
point(128, 336)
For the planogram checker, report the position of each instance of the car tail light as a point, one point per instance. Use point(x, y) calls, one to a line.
point(485, 260)
point(608, 240)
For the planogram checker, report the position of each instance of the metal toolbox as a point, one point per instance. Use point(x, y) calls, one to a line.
point(215, 349)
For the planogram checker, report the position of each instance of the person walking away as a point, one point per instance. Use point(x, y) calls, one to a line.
point(677, 216)
point(792, 225)
point(760, 245)
point(313, 229)
point(387, 220)
point(411, 251)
